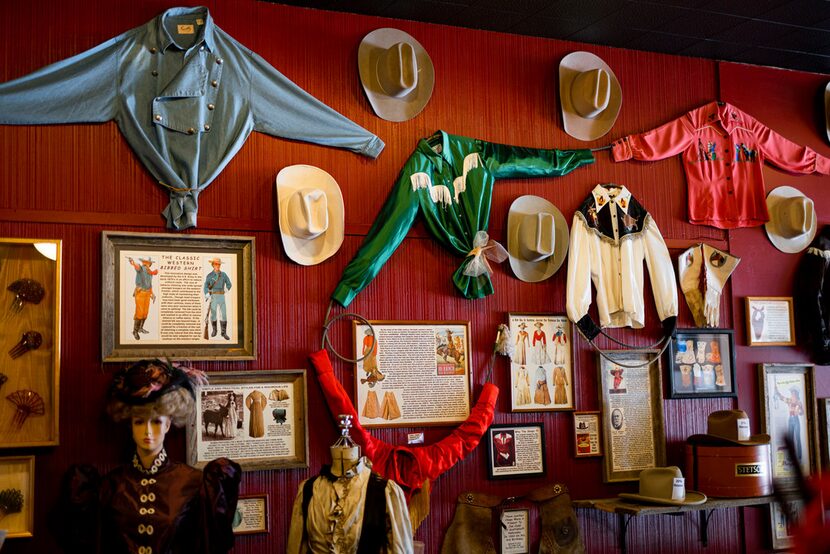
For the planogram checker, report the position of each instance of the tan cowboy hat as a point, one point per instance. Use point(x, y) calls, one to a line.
point(311, 213)
point(396, 72)
point(664, 485)
point(537, 238)
point(590, 95)
point(726, 428)
point(792, 219)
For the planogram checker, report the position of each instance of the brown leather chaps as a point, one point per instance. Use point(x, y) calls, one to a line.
point(477, 514)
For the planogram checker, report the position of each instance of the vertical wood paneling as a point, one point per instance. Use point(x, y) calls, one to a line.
point(494, 86)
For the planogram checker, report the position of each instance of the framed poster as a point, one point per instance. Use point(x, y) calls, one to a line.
point(251, 515)
point(788, 408)
point(30, 282)
point(516, 450)
point(783, 522)
point(541, 368)
point(630, 395)
point(587, 435)
point(515, 531)
point(413, 373)
point(17, 496)
point(256, 418)
point(177, 296)
point(824, 430)
point(702, 364)
point(769, 321)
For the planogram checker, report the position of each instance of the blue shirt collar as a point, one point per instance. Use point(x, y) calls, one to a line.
point(206, 30)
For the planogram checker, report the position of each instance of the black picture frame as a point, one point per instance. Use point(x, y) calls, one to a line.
point(505, 462)
point(694, 358)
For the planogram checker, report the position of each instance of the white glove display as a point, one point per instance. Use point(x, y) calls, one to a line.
point(718, 266)
point(689, 267)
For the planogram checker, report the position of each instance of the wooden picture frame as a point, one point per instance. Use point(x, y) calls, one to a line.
point(18, 474)
point(515, 531)
point(251, 515)
point(171, 318)
point(541, 367)
point(769, 321)
point(702, 364)
point(824, 430)
point(31, 341)
point(630, 395)
point(784, 389)
point(783, 521)
point(270, 428)
point(587, 434)
point(516, 450)
point(410, 375)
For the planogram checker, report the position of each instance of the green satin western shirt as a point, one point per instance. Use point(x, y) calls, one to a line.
point(449, 179)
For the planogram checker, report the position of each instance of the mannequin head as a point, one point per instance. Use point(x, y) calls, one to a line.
point(149, 429)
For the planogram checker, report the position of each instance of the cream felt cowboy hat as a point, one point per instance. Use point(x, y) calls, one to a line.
point(311, 213)
point(664, 485)
point(792, 219)
point(396, 72)
point(537, 238)
point(590, 95)
point(727, 428)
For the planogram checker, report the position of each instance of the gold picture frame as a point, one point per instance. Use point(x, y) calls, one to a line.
point(30, 415)
point(18, 473)
point(251, 515)
point(769, 321)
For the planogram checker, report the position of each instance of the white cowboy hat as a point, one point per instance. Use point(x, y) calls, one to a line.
point(664, 485)
point(792, 219)
point(590, 95)
point(537, 238)
point(396, 72)
point(311, 213)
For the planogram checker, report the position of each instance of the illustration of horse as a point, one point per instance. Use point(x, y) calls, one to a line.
point(449, 350)
point(217, 417)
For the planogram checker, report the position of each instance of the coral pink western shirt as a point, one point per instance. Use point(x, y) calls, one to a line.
point(723, 151)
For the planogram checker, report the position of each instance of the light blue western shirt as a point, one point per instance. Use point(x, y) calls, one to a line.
point(185, 95)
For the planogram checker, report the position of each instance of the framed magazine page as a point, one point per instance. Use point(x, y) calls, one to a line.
point(515, 450)
point(251, 515)
point(177, 296)
point(769, 321)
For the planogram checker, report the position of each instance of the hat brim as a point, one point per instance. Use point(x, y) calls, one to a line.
point(310, 251)
point(714, 440)
point(693, 498)
point(533, 272)
point(787, 245)
point(388, 107)
point(575, 125)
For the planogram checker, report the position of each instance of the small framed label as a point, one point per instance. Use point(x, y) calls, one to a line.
point(251, 515)
point(514, 532)
point(586, 435)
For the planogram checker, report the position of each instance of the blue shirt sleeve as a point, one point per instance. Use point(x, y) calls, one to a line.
point(78, 89)
point(281, 108)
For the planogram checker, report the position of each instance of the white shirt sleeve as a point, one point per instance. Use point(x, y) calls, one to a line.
point(578, 295)
point(399, 537)
point(660, 270)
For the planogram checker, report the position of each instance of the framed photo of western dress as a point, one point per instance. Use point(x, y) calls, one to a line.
point(516, 450)
point(181, 297)
point(769, 321)
point(541, 367)
point(702, 364)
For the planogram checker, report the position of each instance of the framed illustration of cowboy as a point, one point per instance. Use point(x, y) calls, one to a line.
point(251, 515)
point(516, 450)
point(769, 321)
point(256, 418)
point(631, 398)
point(181, 297)
point(788, 410)
point(17, 496)
point(30, 277)
point(412, 373)
point(587, 434)
point(702, 364)
point(541, 367)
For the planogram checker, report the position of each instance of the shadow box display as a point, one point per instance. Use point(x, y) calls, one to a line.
point(17, 496)
point(181, 297)
point(630, 395)
point(30, 276)
point(541, 367)
point(256, 418)
point(412, 373)
point(702, 364)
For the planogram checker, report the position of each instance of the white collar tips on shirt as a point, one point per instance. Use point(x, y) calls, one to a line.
point(203, 26)
point(603, 196)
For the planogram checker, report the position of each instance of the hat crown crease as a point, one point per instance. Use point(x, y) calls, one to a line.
point(537, 234)
point(397, 70)
point(308, 215)
point(796, 216)
point(591, 92)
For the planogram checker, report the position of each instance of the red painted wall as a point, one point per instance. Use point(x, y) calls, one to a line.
point(72, 182)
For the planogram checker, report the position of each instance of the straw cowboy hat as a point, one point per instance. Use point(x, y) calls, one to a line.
point(396, 72)
point(537, 238)
point(590, 95)
point(727, 428)
point(664, 485)
point(792, 219)
point(311, 213)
